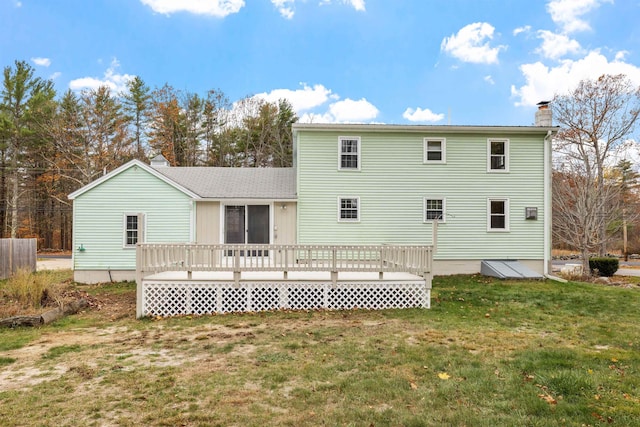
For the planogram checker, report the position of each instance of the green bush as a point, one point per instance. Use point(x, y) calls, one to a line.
point(604, 266)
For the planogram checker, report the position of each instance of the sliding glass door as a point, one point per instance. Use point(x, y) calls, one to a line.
point(246, 224)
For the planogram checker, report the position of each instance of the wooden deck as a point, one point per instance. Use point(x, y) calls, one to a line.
point(178, 279)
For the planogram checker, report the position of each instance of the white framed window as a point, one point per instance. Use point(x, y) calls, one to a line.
point(434, 209)
point(497, 155)
point(134, 226)
point(497, 214)
point(348, 209)
point(349, 153)
point(434, 150)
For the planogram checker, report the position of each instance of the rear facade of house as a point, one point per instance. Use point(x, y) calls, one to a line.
point(474, 192)
point(488, 189)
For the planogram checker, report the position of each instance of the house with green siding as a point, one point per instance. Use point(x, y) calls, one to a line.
point(473, 192)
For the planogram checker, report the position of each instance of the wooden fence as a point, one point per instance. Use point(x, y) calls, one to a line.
point(16, 254)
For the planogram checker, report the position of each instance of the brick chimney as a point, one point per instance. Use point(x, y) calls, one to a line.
point(543, 115)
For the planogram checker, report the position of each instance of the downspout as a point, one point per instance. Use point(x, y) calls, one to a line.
point(547, 203)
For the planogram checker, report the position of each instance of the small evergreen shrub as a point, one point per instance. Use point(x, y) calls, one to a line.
point(604, 266)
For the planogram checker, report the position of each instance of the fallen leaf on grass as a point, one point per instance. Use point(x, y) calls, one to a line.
point(413, 385)
point(548, 398)
point(444, 376)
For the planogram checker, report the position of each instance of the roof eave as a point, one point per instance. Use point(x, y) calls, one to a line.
point(442, 129)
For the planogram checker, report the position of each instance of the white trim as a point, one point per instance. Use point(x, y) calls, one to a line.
point(126, 166)
point(546, 210)
point(506, 214)
point(142, 228)
point(506, 155)
point(443, 150)
point(340, 219)
point(442, 219)
point(440, 129)
point(192, 220)
point(340, 153)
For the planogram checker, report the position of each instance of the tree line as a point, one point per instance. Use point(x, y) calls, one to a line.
point(53, 143)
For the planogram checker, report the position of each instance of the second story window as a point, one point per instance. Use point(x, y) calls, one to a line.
point(498, 155)
point(434, 150)
point(349, 149)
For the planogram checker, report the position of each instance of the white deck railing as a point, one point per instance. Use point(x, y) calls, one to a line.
point(152, 258)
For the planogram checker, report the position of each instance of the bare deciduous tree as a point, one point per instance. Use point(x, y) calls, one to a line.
point(596, 119)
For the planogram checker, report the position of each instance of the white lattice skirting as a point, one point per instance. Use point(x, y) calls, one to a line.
point(173, 299)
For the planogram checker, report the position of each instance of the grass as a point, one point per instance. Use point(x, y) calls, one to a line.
point(488, 353)
point(29, 291)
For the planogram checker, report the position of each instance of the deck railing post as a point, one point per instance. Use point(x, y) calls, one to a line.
point(189, 257)
point(139, 277)
point(236, 266)
point(334, 268)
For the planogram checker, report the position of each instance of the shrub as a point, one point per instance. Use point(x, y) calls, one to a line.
point(30, 289)
point(604, 266)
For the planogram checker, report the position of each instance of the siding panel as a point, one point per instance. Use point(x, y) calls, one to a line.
point(98, 218)
point(393, 181)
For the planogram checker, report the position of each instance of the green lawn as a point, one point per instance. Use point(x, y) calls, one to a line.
point(487, 353)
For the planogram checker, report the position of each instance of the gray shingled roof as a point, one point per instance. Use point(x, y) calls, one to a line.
point(235, 183)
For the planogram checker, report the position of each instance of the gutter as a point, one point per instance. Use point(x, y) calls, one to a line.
point(453, 129)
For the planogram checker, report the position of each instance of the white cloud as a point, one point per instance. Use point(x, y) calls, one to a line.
point(568, 13)
point(55, 75)
point(301, 99)
point(471, 44)
point(489, 80)
point(345, 111)
point(285, 7)
point(116, 82)
point(43, 62)
point(524, 29)
point(349, 110)
point(420, 115)
point(356, 4)
point(620, 56)
point(318, 104)
point(555, 46)
point(217, 8)
point(543, 82)
point(18, 4)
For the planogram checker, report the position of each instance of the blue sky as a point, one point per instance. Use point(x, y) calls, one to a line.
point(468, 62)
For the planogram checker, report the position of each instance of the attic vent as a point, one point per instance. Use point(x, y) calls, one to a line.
point(159, 160)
